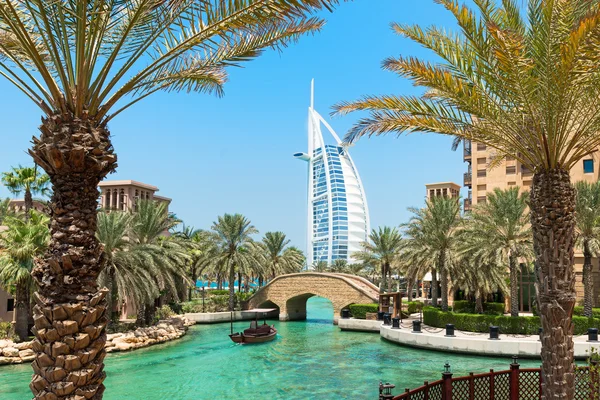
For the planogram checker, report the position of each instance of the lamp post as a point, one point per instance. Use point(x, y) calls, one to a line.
point(203, 306)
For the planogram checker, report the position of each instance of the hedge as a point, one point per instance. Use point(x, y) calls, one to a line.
point(359, 311)
point(579, 311)
point(414, 307)
point(467, 307)
point(508, 325)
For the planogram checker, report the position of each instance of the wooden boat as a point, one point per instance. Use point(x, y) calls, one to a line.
point(256, 333)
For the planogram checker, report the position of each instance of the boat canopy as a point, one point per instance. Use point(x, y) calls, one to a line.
point(260, 310)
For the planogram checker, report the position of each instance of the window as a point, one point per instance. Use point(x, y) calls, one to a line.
point(480, 147)
point(481, 173)
point(481, 199)
point(481, 160)
point(511, 170)
point(588, 166)
point(481, 188)
point(10, 305)
point(512, 183)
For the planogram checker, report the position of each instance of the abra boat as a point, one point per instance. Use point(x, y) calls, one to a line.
point(256, 333)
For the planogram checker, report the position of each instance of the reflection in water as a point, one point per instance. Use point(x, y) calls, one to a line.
point(309, 359)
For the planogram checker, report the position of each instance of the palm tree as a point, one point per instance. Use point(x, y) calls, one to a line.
point(280, 259)
point(320, 266)
point(340, 265)
point(20, 244)
point(434, 228)
point(82, 64)
point(522, 81)
point(382, 249)
point(479, 279)
point(587, 216)
point(499, 231)
point(237, 251)
point(201, 247)
point(27, 180)
point(5, 210)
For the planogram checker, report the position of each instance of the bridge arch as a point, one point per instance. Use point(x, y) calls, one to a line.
point(290, 292)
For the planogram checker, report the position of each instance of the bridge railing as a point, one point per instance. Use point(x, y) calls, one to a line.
point(512, 384)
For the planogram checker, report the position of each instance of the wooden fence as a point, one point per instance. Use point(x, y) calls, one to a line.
point(512, 384)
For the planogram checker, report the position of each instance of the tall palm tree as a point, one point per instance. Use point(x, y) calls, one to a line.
point(320, 266)
point(587, 218)
point(237, 250)
point(382, 249)
point(522, 81)
point(5, 210)
point(201, 247)
point(339, 265)
point(280, 259)
point(24, 240)
point(499, 231)
point(29, 181)
point(83, 63)
point(434, 228)
point(479, 279)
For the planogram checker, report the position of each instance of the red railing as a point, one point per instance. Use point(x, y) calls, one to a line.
point(513, 384)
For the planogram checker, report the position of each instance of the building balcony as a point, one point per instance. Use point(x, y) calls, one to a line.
point(467, 150)
point(468, 178)
point(467, 205)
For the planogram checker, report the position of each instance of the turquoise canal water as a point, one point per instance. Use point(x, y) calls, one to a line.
point(311, 359)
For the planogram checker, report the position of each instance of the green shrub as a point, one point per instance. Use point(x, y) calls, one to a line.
point(493, 308)
point(414, 307)
point(5, 330)
point(579, 311)
point(164, 312)
point(508, 325)
point(218, 292)
point(359, 311)
point(463, 306)
point(467, 307)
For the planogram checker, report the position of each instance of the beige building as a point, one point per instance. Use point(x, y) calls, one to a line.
point(121, 195)
point(442, 189)
point(480, 180)
point(7, 306)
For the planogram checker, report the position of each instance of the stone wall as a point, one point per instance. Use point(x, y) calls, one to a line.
point(290, 293)
point(164, 331)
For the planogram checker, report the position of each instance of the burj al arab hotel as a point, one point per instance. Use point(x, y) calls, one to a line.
point(338, 216)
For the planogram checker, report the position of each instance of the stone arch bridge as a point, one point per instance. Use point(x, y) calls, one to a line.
point(289, 293)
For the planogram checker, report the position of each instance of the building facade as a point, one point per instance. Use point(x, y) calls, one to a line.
point(338, 215)
point(480, 180)
point(121, 195)
point(446, 189)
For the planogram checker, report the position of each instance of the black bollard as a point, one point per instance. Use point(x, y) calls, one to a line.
point(450, 330)
point(380, 315)
point(345, 313)
point(396, 323)
point(592, 334)
point(416, 326)
point(540, 331)
point(494, 333)
point(387, 319)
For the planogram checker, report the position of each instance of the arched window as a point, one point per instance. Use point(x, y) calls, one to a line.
point(122, 200)
point(107, 199)
point(114, 199)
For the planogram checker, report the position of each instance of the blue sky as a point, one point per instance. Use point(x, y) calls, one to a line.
point(234, 154)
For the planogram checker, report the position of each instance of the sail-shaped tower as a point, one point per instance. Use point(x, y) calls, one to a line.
point(338, 216)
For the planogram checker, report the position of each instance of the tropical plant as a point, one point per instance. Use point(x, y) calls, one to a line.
point(382, 249)
point(280, 259)
point(26, 180)
point(20, 244)
point(320, 266)
point(434, 229)
point(82, 64)
point(587, 218)
point(416, 261)
point(498, 233)
point(339, 265)
point(201, 247)
point(522, 81)
point(236, 249)
point(5, 210)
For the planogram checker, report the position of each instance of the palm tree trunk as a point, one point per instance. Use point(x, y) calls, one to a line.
point(553, 224)
point(383, 275)
point(140, 320)
point(22, 311)
point(113, 316)
point(28, 203)
point(444, 279)
point(409, 288)
point(231, 286)
point(434, 288)
point(389, 277)
point(239, 282)
point(588, 282)
point(514, 285)
point(478, 302)
point(70, 312)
